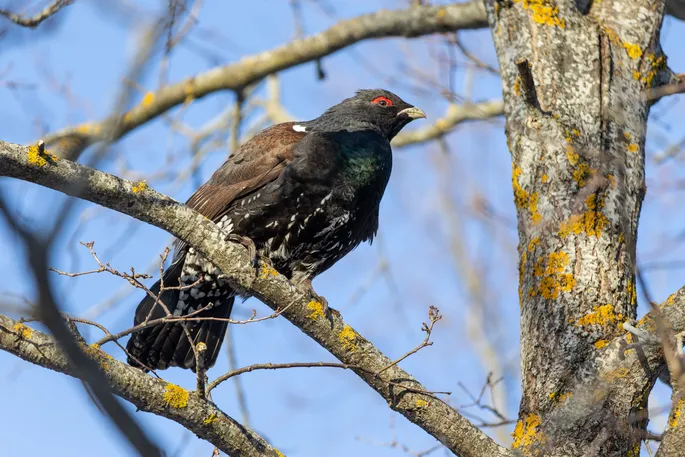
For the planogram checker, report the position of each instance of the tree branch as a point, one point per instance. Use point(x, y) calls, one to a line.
point(36, 20)
point(412, 22)
point(402, 392)
point(456, 114)
point(146, 392)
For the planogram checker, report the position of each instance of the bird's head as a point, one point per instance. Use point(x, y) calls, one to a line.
point(370, 109)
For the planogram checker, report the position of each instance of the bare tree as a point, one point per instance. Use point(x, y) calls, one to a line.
point(578, 81)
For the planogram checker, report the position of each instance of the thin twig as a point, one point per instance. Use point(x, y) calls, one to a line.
point(434, 316)
point(278, 366)
point(36, 20)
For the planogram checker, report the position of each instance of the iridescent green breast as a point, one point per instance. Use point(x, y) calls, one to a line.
point(366, 160)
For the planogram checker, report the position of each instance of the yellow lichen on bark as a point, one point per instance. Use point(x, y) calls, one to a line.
point(23, 331)
point(526, 433)
point(523, 199)
point(553, 278)
point(139, 187)
point(560, 397)
point(348, 339)
point(36, 158)
point(88, 129)
point(635, 451)
point(522, 268)
point(265, 271)
point(647, 323)
point(533, 208)
point(100, 356)
point(582, 173)
point(603, 315)
point(544, 12)
point(421, 403)
point(599, 344)
point(632, 292)
point(634, 51)
point(632, 147)
point(670, 301)
point(571, 154)
point(618, 373)
point(315, 310)
point(591, 222)
point(175, 396)
point(189, 91)
point(655, 64)
point(211, 419)
point(676, 413)
point(148, 98)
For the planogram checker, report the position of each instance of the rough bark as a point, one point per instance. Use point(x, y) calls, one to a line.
point(402, 391)
point(574, 75)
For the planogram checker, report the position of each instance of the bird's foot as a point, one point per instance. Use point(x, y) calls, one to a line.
point(318, 298)
point(248, 244)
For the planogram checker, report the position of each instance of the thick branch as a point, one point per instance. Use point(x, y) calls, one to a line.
point(433, 415)
point(624, 370)
point(412, 22)
point(634, 360)
point(146, 392)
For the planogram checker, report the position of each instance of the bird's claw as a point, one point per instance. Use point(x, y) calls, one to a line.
point(324, 303)
point(318, 298)
point(248, 244)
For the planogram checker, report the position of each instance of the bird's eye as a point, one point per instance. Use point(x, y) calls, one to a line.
point(382, 101)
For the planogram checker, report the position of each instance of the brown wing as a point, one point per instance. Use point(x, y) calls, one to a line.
point(256, 163)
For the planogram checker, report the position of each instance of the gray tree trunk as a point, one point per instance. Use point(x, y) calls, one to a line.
point(574, 75)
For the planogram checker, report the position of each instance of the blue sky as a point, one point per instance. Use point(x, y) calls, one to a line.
point(76, 73)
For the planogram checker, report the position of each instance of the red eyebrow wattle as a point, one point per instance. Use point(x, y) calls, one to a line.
point(378, 100)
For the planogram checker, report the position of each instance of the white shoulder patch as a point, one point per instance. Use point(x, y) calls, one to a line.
point(299, 128)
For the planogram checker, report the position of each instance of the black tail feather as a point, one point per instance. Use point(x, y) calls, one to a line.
point(167, 344)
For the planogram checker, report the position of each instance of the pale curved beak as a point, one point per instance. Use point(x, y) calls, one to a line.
point(413, 113)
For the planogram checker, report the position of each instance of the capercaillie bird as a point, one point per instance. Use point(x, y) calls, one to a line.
point(305, 193)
